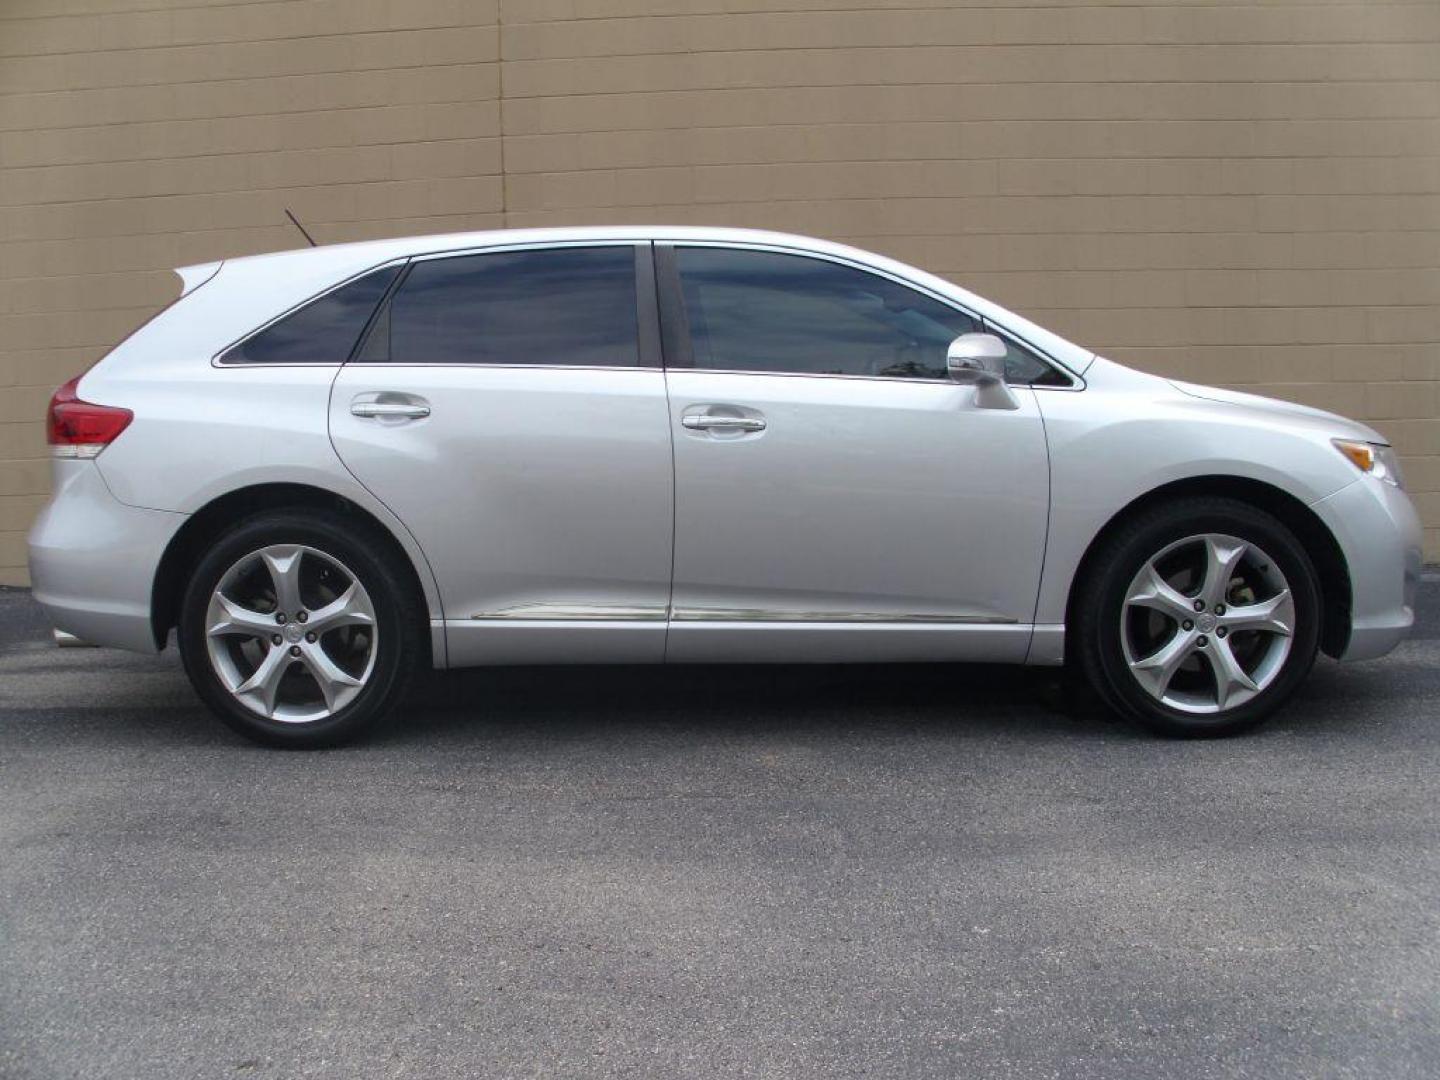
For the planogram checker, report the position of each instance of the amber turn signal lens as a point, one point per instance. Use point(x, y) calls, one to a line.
point(1361, 454)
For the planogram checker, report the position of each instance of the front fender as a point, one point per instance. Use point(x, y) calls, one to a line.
point(1113, 445)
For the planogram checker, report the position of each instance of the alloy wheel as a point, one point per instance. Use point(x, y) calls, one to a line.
point(291, 633)
point(1207, 623)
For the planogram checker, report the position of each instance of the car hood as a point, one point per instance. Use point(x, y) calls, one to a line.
point(1287, 410)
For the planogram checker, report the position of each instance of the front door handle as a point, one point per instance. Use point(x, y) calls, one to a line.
point(705, 422)
point(398, 410)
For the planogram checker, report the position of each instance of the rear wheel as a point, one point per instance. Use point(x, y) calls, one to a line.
point(1199, 617)
point(298, 632)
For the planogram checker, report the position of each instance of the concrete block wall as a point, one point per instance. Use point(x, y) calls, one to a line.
point(1233, 192)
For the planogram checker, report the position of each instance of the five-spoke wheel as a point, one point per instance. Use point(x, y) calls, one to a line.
point(1197, 616)
point(291, 633)
point(299, 627)
point(1207, 623)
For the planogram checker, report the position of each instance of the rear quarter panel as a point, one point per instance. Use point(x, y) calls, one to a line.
point(202, 430)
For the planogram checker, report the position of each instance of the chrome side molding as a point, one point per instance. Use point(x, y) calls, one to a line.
point(580, 612)
point(706, 614)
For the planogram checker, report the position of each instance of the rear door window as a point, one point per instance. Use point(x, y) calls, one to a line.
point(557, 306)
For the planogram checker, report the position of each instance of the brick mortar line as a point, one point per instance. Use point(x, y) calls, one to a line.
point(336, 35)
point(1134, 83)
point(169, 8)
point(1043, 43)
point(1369, 197)
point(813, 163)
point(223, 117)
point(111, 87)
point(1122, 5)
point(1150, 46)
point(1126, 5)
point(106, 90)
point(1226, 46)
point(787, 124)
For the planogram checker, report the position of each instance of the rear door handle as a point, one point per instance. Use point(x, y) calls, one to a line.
point(399, 410)
point(705, 422)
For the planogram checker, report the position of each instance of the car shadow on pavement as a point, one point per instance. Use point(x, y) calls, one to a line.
point(750, 697)
point(147, 703)
point(967, 701)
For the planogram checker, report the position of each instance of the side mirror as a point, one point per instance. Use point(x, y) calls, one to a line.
point(978, 360)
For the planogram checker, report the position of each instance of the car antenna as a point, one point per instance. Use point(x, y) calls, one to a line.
point(296, 222)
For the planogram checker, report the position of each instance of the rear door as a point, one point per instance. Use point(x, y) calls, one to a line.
point(509, 407)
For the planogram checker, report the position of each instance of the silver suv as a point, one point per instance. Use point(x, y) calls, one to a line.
point(324, 468)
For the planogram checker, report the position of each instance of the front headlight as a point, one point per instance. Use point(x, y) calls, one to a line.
point(1377, 459)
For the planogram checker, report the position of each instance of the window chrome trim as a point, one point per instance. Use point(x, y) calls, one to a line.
point(1077, 382)
point(475, 366)
point(910, 380)
point(217, 361)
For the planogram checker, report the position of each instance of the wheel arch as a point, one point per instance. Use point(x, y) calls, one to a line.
point(209, 522)
point(1324, 550)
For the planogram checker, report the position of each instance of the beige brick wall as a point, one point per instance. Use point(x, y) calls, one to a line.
point(1235, 192)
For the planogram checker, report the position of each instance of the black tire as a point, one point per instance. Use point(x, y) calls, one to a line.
point(399, 623)
point(1098, 611)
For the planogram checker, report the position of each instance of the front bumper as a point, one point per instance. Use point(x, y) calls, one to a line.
point(1380, 535)
point(93, 559)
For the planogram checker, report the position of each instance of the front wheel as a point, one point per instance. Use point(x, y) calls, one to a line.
point(1199, 617)
point(297, 629)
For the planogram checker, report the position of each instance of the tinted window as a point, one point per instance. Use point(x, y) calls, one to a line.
point(760, 311)
point(1024, 367)
point(560, 306)
point(323, 331)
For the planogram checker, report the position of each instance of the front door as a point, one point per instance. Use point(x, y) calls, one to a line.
point(837, 497)
point(510, 409)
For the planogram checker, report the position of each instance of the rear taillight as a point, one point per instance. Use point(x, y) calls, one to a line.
point(78, 429)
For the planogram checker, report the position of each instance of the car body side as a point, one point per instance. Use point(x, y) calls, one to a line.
point(1114, 438)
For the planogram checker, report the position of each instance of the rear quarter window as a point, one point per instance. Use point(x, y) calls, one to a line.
point(324, 331)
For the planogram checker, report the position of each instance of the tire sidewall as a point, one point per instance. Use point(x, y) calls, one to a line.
point(396, 636)
point(1129, 554)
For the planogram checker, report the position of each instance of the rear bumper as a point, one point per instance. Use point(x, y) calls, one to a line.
point(1379, 532)
point(93, 560)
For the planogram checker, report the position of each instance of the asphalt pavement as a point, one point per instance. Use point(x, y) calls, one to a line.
point(697, 872)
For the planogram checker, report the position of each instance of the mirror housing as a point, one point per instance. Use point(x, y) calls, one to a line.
point(978, 360)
